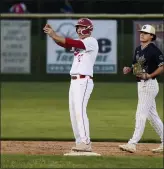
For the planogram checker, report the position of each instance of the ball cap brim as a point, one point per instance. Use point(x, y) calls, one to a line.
point(148, 29)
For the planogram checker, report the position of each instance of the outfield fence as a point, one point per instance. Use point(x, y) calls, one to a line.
point(28, 55)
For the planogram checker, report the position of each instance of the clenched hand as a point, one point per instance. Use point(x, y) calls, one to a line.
point(48, 30)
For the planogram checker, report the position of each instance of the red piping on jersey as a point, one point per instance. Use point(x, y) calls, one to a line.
point(74, 43)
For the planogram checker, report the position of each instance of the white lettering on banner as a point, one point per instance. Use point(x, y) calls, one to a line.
point(59, 60)
point(15, 46)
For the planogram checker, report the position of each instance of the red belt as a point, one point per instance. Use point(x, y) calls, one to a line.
point(81, 77)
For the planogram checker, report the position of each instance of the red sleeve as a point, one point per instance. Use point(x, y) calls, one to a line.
point(62, 45)
point(74, 43)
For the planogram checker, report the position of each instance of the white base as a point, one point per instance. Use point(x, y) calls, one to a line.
point(82, 154)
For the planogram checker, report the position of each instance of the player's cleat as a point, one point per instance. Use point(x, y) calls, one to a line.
point(128, 147)
point(159, 149)
point(74, 147)
point(82, 147)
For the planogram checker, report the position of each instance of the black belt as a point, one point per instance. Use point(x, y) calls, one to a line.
point(139, 79)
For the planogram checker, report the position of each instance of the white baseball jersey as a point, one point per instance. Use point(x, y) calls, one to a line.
point(84, 59)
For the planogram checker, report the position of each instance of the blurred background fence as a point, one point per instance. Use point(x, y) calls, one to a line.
point(33, 47)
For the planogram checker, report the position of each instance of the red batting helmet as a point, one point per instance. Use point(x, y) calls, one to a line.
point(88, 26)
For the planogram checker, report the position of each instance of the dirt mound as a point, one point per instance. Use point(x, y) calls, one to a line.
point(59, 148)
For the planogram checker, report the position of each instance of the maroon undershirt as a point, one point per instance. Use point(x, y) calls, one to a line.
point(69, 43)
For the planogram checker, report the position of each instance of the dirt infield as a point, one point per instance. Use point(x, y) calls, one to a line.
point(59, 148)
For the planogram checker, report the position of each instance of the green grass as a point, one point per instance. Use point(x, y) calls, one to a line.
point(40, 161)
point(40, 110)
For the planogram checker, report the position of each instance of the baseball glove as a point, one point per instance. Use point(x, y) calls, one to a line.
point(137, 69)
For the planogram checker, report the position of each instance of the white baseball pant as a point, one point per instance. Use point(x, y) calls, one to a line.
point(79, 94)
point(146, 109)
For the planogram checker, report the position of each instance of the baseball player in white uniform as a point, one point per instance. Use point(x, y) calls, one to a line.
point(85, 53)
point(152, 61)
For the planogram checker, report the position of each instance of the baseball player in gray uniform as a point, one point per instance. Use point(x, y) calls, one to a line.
point(151, 61)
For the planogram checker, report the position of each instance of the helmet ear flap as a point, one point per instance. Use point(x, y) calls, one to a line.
point(86, 30)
